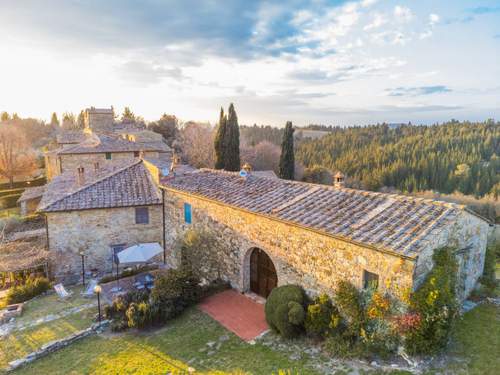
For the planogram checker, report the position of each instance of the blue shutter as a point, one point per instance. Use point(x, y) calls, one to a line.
point(187, 213)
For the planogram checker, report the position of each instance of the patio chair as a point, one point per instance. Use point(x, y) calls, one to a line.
point(89, 292)
point(61, 291)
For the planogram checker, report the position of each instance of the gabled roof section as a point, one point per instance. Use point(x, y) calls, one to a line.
point(394, 223)
point(101, 143)
point(71, 136)
point(32, 193)
point(115, 185)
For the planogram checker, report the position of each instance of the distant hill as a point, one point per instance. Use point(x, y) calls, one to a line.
point(455, 156)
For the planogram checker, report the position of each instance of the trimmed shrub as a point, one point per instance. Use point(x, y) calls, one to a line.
point(322, 317)
point(349, 302)
point(435, 303)
point(32, 288)
point(285, 312)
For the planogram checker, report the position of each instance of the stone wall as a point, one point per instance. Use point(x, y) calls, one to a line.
point(73, 161)
point(94, 231)
point(468, 234)
point(301, 256)
point(52, 168)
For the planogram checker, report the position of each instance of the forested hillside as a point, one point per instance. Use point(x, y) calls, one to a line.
point(449, 157)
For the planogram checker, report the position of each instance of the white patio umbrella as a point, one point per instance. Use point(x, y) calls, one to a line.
point(140, 253)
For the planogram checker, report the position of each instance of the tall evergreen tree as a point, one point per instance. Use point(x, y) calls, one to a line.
point(219, 142)
point(80, 122)
point(287, 159)
point(54, 121)
point(232, 143)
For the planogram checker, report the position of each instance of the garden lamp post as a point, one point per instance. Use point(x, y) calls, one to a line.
point(97, 290)
point(82, 254)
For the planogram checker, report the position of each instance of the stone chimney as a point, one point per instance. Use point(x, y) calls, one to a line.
point(339, 179)
point(176, 160)
point(80, 175)
point(247, 168)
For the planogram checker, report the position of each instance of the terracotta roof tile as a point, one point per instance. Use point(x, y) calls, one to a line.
point(115, 185)
point(396, 223)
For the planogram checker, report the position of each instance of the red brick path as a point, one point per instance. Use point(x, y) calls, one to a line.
point(238, 313)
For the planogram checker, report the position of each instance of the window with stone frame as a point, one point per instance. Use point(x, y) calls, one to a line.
point(108, 155)
point(142, 215)
point(370, 280)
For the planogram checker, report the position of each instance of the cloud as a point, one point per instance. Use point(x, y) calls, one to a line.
point(147, 73)
point(418, 91)
point(402, 14)
point(433, 19)
point(377, 21)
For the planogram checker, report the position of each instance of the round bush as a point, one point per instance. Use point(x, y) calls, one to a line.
point(285, 312)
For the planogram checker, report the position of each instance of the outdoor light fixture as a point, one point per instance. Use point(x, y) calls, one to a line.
point(82, 254)
point(97, 290)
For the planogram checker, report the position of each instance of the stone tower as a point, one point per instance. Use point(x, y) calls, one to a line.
point(99, 119)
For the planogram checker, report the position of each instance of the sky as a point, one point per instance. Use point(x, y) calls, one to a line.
point(322, 62)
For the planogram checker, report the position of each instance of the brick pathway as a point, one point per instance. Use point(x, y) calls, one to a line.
point(238, 313)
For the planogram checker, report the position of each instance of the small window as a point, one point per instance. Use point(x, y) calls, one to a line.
point(115, 249)
point(136, 154)
point(187, 213)
point(108, 155)
point(370, 280)
point(141, 215)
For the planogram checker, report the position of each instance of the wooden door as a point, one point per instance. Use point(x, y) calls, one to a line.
point(263, 276)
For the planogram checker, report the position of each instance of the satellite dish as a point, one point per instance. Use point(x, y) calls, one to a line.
point(165, 172)
point(243, 173)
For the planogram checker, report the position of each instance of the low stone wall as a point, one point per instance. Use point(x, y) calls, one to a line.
point(56, 345)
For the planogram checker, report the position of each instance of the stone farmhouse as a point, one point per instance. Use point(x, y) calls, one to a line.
point(102, 142)
point(113, 187)
point(268, 231)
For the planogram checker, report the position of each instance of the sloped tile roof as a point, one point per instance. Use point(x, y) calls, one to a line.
point(100, 143)
point(115, 185)
point(31, 193)
point(71, 136)
point(395, 223)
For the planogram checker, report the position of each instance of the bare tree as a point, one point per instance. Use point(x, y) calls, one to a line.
point(197, 144)
point(264, 156)
point(16, 156)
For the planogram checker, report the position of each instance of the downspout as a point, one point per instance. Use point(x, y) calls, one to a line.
point(163, 221)
point(47, 231)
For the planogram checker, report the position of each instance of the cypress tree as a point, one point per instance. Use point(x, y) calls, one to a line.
point(232, 144)
point(287, 159)
point(220, 140)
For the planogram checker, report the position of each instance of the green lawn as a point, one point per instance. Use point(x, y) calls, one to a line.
point(183, 343)
point(20, 343)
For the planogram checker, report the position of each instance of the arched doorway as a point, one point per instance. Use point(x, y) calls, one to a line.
point(263, 276)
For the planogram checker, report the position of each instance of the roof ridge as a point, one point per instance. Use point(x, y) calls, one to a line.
point(396, 196)
point(100, 179)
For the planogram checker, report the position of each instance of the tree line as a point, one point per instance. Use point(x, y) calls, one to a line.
point(454, 156)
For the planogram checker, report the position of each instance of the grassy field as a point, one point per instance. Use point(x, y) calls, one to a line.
point(20, 343)
point(182, 344)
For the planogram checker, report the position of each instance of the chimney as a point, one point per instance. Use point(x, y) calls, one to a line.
point(96, 167)
point(175, 162)
point(245, 171)
point(81, 176)
point(338, 179)
point(247, 168)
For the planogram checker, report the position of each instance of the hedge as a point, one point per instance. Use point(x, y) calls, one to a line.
point(285, 311)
